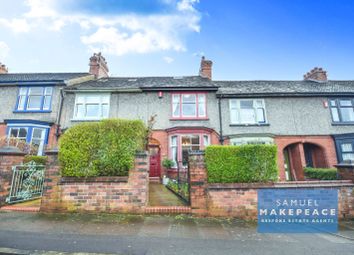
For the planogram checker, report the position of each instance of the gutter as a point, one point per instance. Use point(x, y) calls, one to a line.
point(59, 112)
point(102, 90)
point(250, 95)
point(221, 137)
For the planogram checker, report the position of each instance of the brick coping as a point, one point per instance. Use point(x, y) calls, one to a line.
point(168, 209)
point(114, 179)
point(19, 208)
point(293, 184)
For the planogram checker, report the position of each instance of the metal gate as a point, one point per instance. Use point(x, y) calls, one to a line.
point(179, 182)
point(27, 182)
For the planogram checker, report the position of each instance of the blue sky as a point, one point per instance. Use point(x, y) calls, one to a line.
point(247, 40)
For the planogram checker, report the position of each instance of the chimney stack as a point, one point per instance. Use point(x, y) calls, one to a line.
point(98, 66)
point(205, 70)
point(316, 74)
point(3, 69)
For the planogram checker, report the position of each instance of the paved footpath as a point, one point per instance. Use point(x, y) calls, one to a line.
point(33, 233)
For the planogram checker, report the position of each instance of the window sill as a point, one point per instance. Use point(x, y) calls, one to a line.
point(32, 111)
point(342, 123)
point(187, 119)
point(250, 125)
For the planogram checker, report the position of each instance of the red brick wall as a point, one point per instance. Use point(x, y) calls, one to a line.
point(240, 199)
point(324, 142)
point(345, 172)
point(52, 138)
point(101, 194)
point(7, 160)
point(2, 130)
point(241, 202)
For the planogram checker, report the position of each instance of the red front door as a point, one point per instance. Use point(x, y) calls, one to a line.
point(155, 166)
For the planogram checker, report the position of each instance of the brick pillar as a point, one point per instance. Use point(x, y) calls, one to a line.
point(51, 190)
point(198, 183)
point(139, 179)
point(346, 171)
point(9, 157)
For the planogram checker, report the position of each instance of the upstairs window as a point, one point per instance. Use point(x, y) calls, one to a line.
point(91, 106)
point(247, 111)
point(189, 106)
point(34, 99)
point(342, 110)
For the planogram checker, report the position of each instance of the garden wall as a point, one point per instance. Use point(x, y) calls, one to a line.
point(96, 194)
point(240, 199)
point(9, 157)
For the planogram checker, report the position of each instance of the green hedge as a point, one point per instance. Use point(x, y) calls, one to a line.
point(321, 173)
point(245, 163)
point(105, 148)
point(40, 160)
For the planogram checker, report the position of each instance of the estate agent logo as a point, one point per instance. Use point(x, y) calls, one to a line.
point(297, 210)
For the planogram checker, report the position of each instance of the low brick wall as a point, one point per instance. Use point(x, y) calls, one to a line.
point(8, 158)
point(345, 171)
point(96, 194)
point(240, 199)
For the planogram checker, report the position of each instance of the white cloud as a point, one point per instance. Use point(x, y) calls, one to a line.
point(4, 50)
point(16, 25)
point(168, 60)
point(115, 34)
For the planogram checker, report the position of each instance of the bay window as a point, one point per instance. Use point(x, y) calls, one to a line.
point(189, 105)
point(91, 106)
point(32, 134)
point(247, 111)
point(182, 144)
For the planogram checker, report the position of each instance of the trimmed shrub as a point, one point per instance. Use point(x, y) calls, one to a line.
point(321, 173)
point(167, 163)
point(244, 163)
point(40, 160)
point(105, 148)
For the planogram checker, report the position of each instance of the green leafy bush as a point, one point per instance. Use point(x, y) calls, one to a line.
point(167, 163)
point(244, 163)
point(104, 148)
point(321, 173)
point(40, 160)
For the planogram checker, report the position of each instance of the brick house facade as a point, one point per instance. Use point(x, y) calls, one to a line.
point(309, 120)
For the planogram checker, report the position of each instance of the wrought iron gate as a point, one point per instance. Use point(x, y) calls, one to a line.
point(27, 182)
point(179, 182)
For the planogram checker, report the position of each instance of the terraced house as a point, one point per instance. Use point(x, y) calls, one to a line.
point(310, 120)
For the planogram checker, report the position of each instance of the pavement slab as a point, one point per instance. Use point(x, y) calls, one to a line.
point(33, 233)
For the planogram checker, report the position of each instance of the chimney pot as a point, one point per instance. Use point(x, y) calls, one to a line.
point(3, 69)
point(205, 70)
point(316, 74)
point(98, 66)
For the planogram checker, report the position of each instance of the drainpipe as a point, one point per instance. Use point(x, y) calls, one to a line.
point(221, 139)
point(59, 112)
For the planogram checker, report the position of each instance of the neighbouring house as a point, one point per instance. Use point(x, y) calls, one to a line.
point(310, 120)
point(31, 105)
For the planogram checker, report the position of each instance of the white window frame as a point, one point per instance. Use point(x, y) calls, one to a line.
point(101, 102)
point(236, 120)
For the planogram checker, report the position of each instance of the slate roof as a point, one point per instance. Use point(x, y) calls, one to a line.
point(284, 88)
point(147, 83)
point(38, 77)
